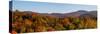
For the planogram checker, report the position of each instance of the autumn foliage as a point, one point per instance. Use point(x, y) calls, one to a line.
point(25, 22)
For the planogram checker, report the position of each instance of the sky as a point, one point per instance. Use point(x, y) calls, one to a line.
point(44, 7)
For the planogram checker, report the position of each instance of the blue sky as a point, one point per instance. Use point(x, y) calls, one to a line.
point(43, 7)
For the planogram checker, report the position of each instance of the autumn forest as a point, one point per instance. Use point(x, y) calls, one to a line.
point(27, 22)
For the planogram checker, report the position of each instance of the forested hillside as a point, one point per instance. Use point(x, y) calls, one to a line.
point(26, 22)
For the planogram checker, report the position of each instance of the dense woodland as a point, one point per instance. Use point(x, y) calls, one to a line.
point(23, 22)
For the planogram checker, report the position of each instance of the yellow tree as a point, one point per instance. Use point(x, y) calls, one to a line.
point(40, 29)
point(28, 22)
point(65, 21)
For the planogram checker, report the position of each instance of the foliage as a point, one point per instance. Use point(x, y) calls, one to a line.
point(26, 22)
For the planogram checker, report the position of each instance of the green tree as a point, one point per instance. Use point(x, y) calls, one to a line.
point(59, 27)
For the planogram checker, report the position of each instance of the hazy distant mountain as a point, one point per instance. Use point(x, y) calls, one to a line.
point(77, 13)
point(74, 14)
point(92, 14)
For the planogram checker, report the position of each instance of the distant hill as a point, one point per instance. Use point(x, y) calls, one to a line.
point(77, 13)
point(91, 14)
point(94, 13)
point(73, 14)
